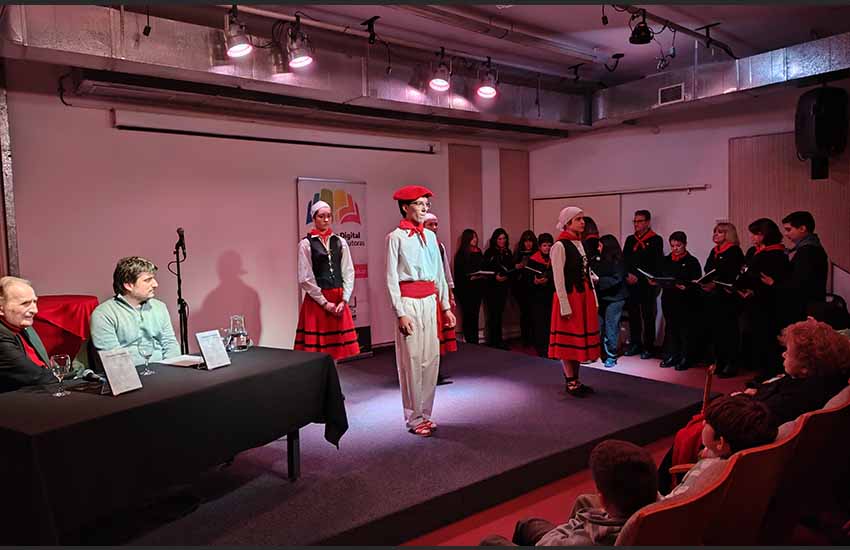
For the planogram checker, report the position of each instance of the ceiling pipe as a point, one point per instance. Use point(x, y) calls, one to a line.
point(511, 32)
point(394, 41)
point(680, 29)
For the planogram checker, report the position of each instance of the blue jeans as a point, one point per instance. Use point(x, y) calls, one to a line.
point(609, 326)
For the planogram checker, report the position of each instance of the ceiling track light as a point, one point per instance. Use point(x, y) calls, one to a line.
point(641, 33)
point(236, 37)
point(441, 79)
point(488, 84)
point(299, 51)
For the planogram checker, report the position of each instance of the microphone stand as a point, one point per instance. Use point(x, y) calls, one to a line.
point(182, 306)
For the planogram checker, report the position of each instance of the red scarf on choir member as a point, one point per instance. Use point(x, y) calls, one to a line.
point(778, 246)
point(640, 241)
point(677, 257)
point(721, 248)
point(567, 234)
point(539, 258)
point(414, 229)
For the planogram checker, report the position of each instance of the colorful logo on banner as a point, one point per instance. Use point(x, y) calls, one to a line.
point(343, 206)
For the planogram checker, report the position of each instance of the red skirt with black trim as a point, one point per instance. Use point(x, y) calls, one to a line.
point(324, 332)
point(575, 337)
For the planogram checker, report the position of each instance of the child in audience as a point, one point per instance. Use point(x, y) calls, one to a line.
point(731, 424)
point(624, 474)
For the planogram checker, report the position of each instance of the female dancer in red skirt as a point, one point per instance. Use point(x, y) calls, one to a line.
point(574, 334)
point(326, 274)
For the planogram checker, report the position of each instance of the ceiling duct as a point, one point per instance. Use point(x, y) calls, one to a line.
point(711, 79)
point(357, 86)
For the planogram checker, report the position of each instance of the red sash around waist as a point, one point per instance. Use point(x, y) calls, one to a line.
point(417, 289)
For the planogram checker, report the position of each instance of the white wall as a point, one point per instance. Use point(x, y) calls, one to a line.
point(87, 194)
point(688, 149)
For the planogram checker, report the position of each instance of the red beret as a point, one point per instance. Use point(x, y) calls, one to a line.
point(411, 193)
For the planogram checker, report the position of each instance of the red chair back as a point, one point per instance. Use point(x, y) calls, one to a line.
point(62, 321)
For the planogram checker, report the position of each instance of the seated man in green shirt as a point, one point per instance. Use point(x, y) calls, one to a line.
point(133, 318)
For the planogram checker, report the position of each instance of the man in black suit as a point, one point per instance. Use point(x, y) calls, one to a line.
point(645, 250)
point(23, 359)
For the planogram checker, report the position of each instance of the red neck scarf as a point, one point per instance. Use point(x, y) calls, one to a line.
point(413, 229)
point(676, 257)
point(778, 246)
point(721, 248)
point(324, 235)
point(539, 258)
point(567, 234)
point(640, 240)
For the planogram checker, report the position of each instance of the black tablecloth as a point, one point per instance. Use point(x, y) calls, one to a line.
point(65, 461)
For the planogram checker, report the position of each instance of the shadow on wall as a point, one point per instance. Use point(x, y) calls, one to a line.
point(231, 297)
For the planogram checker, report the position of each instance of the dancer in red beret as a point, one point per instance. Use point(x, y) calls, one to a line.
point(574, 334)
point(420, 298)
point(326, 275)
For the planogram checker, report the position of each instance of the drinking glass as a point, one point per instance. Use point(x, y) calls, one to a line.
point(146, 351)
point(60, 366)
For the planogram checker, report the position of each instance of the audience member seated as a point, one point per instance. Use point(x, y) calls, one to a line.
point(23, 359)
point(133, 317)
point(624, 474)
point(731, 424)
point(816, 363)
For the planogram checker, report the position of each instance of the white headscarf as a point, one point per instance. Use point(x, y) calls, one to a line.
point(318, 205)
point(429, 216)
point(566, 215)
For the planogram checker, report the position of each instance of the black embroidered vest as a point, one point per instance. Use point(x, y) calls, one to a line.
point(576, 268)
point(326, 268)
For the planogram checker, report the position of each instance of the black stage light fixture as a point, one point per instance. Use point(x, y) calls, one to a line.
point(641, 34)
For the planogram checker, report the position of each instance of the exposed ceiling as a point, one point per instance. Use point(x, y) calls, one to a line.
point(747, 29)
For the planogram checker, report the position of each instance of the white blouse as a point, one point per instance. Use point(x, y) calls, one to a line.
point(306, 279)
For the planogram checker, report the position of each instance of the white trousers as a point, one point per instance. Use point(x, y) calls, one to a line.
point(417, 357)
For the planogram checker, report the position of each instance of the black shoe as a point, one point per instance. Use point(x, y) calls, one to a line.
point(444, 380)
point(684, 364)
point(632, 350)
point(667, 362)
point(646, 354)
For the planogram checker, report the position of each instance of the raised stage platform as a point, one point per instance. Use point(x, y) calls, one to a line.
point(505, 427)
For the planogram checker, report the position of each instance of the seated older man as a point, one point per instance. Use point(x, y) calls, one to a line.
point(23, 359)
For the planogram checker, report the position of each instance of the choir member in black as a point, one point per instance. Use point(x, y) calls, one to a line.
point(719, 301)
point(590, 239)
point(761, 304)
point(498, 259)
point(644, 249)
point(525, 248)
point(805, 288)
point(678, 302)
point(611, 291)
point(541, 287)
point(469, 288)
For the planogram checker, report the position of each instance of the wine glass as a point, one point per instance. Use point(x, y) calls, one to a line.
point(225, 337)
point(146, 351)
point(60, 366)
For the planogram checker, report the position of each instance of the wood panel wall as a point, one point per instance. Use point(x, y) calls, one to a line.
point(766, 179)
point(515, 199)
point(465, 191)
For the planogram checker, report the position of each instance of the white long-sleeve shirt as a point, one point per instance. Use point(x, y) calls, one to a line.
point(559, 256)
point(409, 259)
point(306, 278)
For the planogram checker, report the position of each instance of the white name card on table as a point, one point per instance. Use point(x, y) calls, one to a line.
point(212, 348)
point(184, 361)
point(120, 370)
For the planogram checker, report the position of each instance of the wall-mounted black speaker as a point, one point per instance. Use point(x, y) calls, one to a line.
point(820, 127)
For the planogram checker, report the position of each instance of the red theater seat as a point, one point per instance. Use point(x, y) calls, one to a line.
point(62, 321)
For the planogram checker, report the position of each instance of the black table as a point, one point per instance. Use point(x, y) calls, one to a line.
point(66, 461)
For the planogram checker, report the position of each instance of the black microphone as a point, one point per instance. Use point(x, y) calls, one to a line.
point(181, 242)
point(91, 376)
